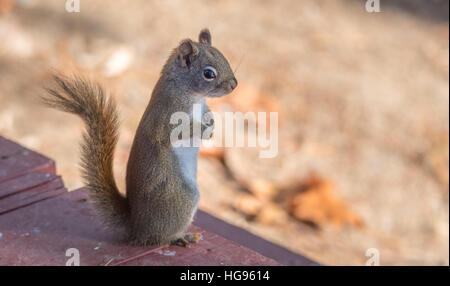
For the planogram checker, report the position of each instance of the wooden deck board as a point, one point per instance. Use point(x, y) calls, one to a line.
point(16, 161)
point(40, 221)
point(40, 234)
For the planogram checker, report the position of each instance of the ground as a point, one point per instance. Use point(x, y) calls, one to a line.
point(362, 98)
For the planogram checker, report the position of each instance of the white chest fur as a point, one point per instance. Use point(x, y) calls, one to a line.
point(188, 156)
point(187, 160)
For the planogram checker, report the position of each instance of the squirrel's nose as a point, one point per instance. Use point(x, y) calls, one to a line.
point(233, 83)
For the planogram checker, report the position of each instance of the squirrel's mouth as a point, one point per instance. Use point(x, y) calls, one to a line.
point(222, 90)
point(219, 92)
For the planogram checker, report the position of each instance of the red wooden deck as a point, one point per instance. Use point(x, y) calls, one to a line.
point(40, 220)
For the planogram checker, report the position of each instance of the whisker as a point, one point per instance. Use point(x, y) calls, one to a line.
point(239, 64)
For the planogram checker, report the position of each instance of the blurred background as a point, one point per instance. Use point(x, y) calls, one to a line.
point(363, 103)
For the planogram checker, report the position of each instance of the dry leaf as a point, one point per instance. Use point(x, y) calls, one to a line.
point(317, 203)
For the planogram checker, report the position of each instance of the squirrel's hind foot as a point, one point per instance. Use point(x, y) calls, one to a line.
point(187, 239)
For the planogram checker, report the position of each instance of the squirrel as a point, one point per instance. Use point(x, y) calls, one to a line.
point(161, 185)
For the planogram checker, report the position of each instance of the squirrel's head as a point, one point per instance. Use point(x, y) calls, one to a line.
point(200, 68)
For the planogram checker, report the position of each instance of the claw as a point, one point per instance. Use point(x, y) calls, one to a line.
point(187, 239)
point(181, 242)
point(193, 237)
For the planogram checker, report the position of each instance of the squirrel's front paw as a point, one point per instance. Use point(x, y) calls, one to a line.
point(208, 119)
point(207, 125)
point(188, 238)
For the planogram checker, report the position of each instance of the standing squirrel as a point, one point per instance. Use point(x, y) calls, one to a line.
point(161, 184)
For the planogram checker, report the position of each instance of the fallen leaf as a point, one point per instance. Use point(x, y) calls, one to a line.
point(317, 203)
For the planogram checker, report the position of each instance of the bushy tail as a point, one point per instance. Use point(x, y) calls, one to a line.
point(88, 100)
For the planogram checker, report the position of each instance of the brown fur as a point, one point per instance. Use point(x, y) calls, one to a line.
point(160, 204)
point(88, 100)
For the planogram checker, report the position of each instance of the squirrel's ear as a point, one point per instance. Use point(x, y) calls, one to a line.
point(205, 37)
point(187, 52)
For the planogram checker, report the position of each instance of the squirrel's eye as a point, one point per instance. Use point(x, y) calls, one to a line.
point(209, 73)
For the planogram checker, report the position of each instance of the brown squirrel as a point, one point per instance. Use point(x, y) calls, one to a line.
point(161, 185)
